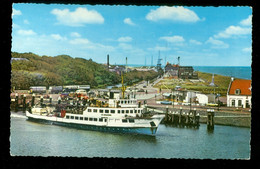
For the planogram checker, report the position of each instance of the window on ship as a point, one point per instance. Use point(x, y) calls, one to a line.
point(90, 119)
point(67, 117)
point(95, 119)
point(100, 120)
point(106, 111)
point(124, 120)
point(118, 111)
point(101, 111)
point(94, 110)
point(71, 117)
point(123, 111)
point(89, 110)
point(131, 120)
point(81, 118)
point(76, 117)
point(86, 118)
point(127, 111)
point(131, 111)
point(112, 111)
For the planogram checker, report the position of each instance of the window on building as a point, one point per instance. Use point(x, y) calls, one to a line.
point(233, 103)
point(237, 91)
point(247, 104)
point(239, 103)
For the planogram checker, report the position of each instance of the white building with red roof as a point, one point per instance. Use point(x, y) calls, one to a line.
point(239, 93)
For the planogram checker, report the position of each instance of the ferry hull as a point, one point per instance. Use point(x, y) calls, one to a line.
point(133, 130)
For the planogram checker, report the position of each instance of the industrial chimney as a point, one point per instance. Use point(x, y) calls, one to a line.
point(108, 62)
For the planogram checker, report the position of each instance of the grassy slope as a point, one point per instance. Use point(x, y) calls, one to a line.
point(222, 83)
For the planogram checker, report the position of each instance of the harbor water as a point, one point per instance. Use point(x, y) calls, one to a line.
point(34, 139)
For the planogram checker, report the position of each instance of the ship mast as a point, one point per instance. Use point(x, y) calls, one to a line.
point(122, 81)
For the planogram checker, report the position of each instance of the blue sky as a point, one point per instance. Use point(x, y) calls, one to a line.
point(201, 36)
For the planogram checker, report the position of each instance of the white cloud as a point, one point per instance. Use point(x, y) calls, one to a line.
point(16, 12)
point(125, 46)
point(173, 14)
point(192, 41)
point(26, 32)
point(79, 17)
point(79, 41)
point(75, 34)
point(158, 48)
point(247, 22)
point(233, 31)
point(129, 21)
point(58, 37)
point(26, 21)
point(124, 39)
point(247, 49)
point(172, 39)
point(217, 43)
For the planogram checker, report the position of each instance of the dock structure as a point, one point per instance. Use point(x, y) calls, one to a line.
point(210, 119)
point(180, 118)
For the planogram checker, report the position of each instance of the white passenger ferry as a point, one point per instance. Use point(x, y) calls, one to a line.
point(121, 115)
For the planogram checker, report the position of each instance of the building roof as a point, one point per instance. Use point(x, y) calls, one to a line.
point(243, 85)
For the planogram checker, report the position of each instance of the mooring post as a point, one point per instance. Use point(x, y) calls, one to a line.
point(210, 121)
point(16, 102)
point(24, 103)
point(180, 115)
point(166, 114)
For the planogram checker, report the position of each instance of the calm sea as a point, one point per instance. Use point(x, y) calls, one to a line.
point(242, 72)
point(34, 139)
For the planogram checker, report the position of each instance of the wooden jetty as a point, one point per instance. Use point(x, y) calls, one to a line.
point(180, 118)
